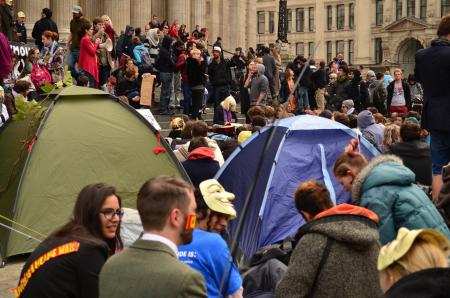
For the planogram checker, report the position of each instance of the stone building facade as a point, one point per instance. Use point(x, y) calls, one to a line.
point(233, 20)
point(368, 32)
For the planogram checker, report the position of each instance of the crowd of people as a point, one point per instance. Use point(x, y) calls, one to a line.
point(400, 199)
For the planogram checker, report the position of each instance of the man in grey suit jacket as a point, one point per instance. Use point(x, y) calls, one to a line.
point(149, 267)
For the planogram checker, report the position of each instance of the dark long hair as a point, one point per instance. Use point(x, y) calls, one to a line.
point(84, 27)
point(85, 223)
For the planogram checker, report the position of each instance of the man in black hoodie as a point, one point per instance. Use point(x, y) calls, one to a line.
point(125, 44)
point(166, 66)
point(220, 76)
point(44, 24)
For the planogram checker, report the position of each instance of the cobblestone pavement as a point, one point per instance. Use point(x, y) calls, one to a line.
point(9, 276)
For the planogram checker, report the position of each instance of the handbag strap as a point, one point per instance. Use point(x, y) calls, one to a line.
point(324, 258)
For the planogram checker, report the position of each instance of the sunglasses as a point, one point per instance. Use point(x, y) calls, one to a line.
point(109, 213)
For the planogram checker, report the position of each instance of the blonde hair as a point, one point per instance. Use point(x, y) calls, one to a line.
point(195, 51)
point(229, 104)
point(391, 135)
point(398, 70)
point(177, 123)
point(422, 255)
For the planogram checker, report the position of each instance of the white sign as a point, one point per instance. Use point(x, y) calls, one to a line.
point(147, 114)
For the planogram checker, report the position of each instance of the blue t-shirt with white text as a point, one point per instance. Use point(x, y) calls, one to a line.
point(209, 254)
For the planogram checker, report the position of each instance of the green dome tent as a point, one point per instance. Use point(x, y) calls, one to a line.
point(86, 136)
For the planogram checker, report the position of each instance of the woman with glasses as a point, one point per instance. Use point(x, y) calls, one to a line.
point(68, 262)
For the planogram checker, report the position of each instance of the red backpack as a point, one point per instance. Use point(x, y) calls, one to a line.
point(40, 76)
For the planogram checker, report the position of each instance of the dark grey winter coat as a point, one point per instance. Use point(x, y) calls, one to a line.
point(350, 269)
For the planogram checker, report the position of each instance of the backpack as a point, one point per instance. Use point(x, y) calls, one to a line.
point(40, 76)
point(146, 59)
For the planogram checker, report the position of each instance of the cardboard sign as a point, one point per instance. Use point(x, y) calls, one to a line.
point(147, 114)
point(147, 89)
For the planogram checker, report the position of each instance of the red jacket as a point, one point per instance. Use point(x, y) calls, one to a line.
point(88, 57)
point(181, 65)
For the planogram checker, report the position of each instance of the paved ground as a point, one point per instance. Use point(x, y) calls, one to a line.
point(9, 276)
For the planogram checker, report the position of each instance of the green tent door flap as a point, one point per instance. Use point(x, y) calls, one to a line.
point(85, 138)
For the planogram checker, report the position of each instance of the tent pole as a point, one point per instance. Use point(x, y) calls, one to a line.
point(244, 210)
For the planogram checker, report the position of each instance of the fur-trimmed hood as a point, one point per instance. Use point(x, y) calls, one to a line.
point(401, 175)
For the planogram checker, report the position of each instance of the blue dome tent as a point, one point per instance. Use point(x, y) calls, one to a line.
point(302, 148)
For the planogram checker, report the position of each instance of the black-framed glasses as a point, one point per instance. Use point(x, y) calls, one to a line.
point(109, 213)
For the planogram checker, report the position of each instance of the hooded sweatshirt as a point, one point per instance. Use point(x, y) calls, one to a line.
point(137, 53)
point(200, 165)
point(348, 266)
point(125, 43)
point(260, 84)
point(152, 43)
point(372, 132)
point(386, 187)
point(166, 63)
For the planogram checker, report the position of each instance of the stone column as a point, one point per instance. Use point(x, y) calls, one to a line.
point(159, 9)
point(32, 10)
point(178, 10)
point(198, 14)
point(92, 8)
point(389, 11)
point(251, 24)
point(362, 41)
point(320, 27)
point(346, 16)
point(141, 12)
point(62, 14)
point(119, 12)
point(404, 8)
point(417, 12)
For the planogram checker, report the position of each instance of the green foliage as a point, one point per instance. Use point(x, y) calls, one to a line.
point(27, 109)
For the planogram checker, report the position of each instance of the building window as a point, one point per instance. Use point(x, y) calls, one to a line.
point(379, 13)
point(289, 17)
point(271, 21)
point(311, 19)
point(445, 7)
point(350, 52)
point(378, 51)
point(351, 16)
point(398, 9)
point(300, 48)
point(339, 47)
point(261, 22)
point(311, 49)
point(411, 8)
point(340, 18)
point(423, 9)
point(329, 17)
point(329, 51)
point(300, 20)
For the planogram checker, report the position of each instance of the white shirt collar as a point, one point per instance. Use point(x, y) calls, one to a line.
point(154, 237)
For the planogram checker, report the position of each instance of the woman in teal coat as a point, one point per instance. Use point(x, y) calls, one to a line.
point(388, 188)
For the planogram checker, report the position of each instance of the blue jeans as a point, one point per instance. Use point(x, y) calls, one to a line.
point(187, 97)
point(166, 83)
point(75, 55)
point(303, 97)
point(176, 82)
point(132, 103)
point(440, 150)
